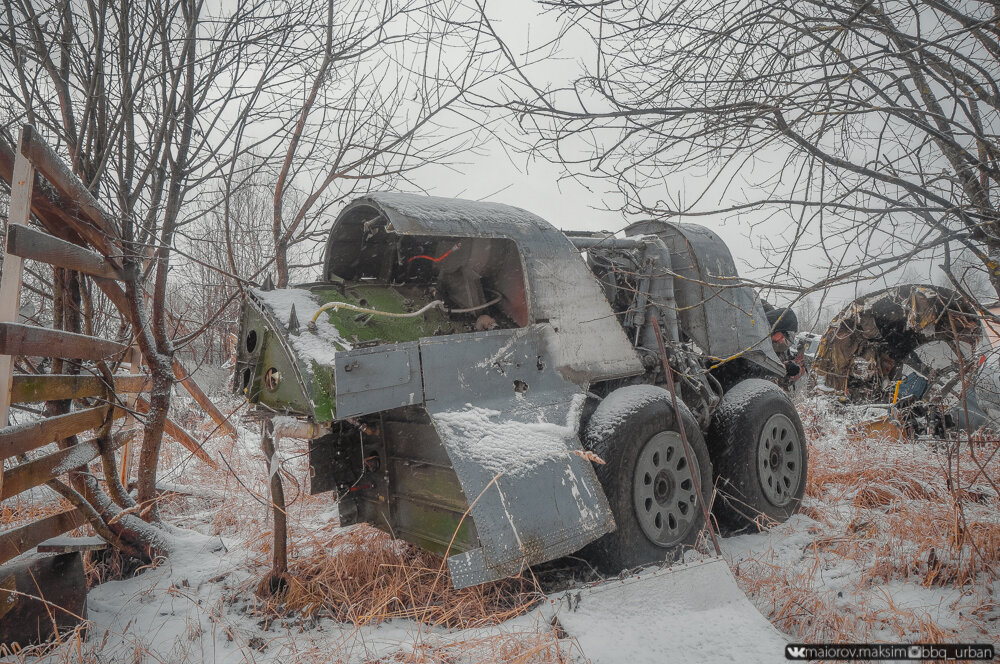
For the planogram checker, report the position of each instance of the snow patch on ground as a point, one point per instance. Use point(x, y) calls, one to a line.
point(693, 613)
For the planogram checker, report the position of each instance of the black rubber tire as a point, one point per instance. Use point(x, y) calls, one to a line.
point(735, 437)
point(620, 428)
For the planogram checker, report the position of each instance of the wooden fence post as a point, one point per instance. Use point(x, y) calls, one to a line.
point(10, 276)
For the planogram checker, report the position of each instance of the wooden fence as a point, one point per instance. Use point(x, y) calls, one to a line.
point(121, 397)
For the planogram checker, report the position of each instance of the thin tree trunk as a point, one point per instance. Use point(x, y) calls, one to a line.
point(281, 263)
point(279, 564)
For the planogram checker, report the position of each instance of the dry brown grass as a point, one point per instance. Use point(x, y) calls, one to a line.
point(793, 603)
point(363, 576)
point(887, 511)
point(872, 496)
point(511, 648)
point(916, 512)
point(20, 510)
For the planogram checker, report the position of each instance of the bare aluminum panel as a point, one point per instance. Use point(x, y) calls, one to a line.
point(508, 420)
point(369, 380)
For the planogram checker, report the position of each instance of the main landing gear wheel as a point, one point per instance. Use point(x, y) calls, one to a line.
point(759, 456)
point(647, 477)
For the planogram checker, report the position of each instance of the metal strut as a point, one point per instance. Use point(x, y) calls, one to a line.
point(684, 439)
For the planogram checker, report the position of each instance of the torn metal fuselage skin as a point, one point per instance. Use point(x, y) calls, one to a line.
point(455, 425)
point(879, 346)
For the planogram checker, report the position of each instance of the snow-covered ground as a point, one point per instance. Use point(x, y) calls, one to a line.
point(881, 551)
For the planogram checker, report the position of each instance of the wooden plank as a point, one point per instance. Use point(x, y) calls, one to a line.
point(70, 544)
point(39, 471)
point(10, 276)
point(55, 170)
point(17, 339)
point(135, 367)
point(22, 438)
point(59, 216)
point(16, 541)
point(55, 213)
point(173, 430)
point(27, 388)
point(28, 243)
point(199, 396)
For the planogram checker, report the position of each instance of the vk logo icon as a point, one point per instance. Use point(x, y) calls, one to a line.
point(795, 652)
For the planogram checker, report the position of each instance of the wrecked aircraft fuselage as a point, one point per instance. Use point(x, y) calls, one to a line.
point(405, 392)
point(454, 351)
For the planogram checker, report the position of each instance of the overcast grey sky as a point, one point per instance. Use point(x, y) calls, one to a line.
point(505, 175)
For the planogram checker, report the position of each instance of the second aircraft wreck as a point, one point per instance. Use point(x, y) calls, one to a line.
point(917, 349)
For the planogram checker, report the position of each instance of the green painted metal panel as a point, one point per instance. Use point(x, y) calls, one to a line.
point(303, 356)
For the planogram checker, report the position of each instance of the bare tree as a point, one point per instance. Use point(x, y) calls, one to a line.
point(225, 247)
point(864, 133)
point(390, 78)
point(148, 101)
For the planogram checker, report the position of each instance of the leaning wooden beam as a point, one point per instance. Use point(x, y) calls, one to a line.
point(26, 388)
point(55, 213)
point(26, 242)
point(174, 430)
point(199, 396)
point(61, 217)
point(69, 186)
point(39, 471)
point(22, 438)
point(17, 339)
point(16, 541)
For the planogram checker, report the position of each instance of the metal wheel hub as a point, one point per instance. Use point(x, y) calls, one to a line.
point(663, 487)
point(779, 460)
point(663, 491)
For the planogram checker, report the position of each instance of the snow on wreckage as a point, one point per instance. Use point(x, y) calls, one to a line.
point(459, 360)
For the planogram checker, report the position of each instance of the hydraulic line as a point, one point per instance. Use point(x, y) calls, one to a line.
point(336, 306)
point(412, 314)
point(471, 309)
